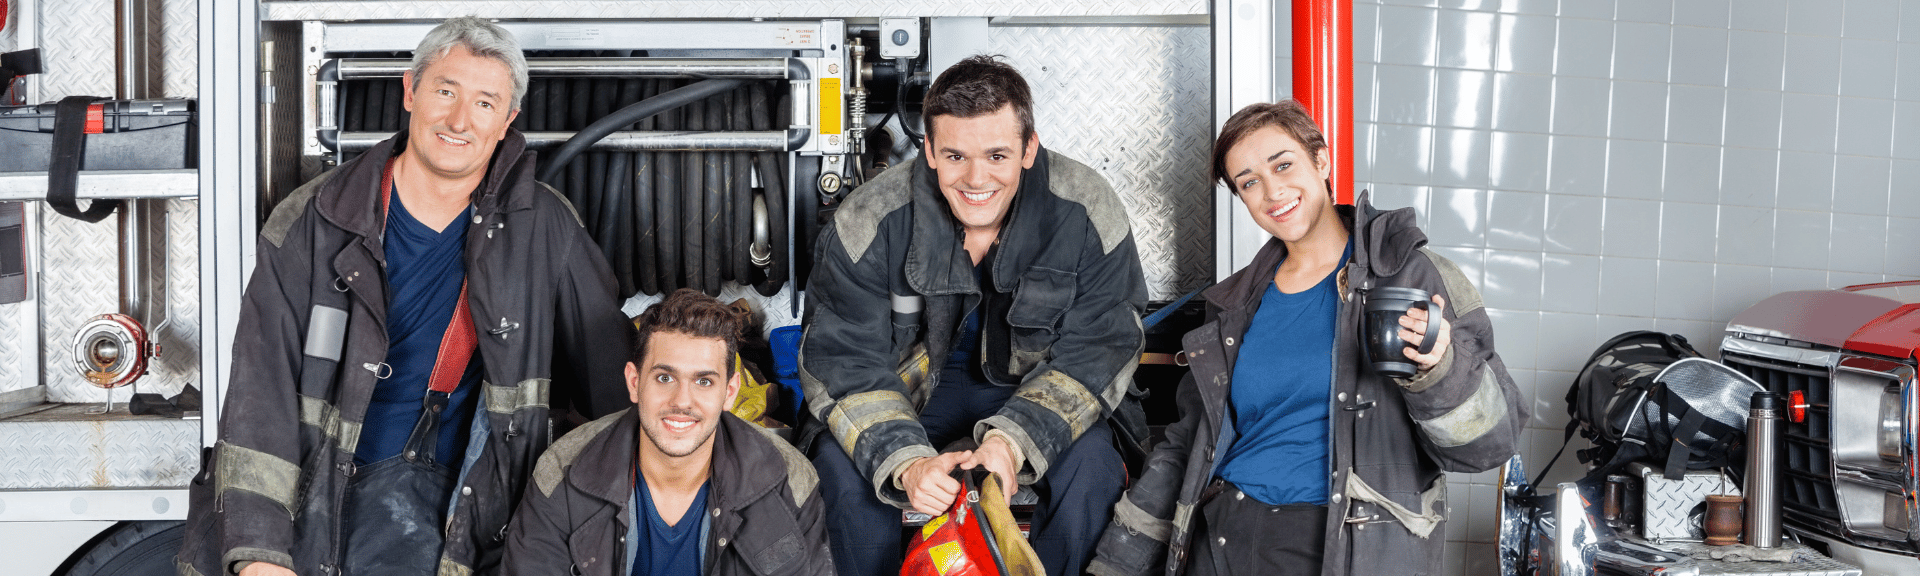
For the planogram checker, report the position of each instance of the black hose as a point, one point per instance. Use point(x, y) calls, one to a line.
point(376, 99)
point(693, 242)
point(390, 114)
point(900, 104)
point(713, 204)
point(600, 103)
point(645, 259)
point(607, 125)
point(536, 121)
point(556, 108)
point(666, 196)
point(624, 182)
point(721, 226)
point(742, 226)
point(578, 97)
point(773, 183)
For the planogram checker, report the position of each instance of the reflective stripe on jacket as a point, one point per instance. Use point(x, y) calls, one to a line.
point(891, 280)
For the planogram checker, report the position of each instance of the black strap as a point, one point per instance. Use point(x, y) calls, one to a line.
point(69, 147)
point(1682, 450)
point(16, 64)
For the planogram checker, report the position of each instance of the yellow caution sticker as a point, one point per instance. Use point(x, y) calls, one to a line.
point(830, 106)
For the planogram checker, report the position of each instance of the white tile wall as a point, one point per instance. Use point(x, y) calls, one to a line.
point(1610, 165)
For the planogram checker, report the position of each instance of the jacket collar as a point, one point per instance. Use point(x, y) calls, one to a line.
point(745, 464)
point(937, 260)
point(1383, 243)
point(351, 200)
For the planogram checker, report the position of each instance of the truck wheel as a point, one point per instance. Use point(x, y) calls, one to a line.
point(132, 549)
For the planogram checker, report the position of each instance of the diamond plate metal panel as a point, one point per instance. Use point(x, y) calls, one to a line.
point(571, 9)
point(180, 52)
point(1667, 505)
point(77, 59)
point(1134, 103)
point(17, 338)
point(179, 361)
point(62, 447)
point(79, 279)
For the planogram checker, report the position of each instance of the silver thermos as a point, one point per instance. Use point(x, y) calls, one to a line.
point(1762, 487)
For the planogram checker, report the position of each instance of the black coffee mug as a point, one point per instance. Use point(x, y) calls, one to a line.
point(1385, 306)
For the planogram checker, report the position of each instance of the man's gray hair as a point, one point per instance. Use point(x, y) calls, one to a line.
point(483, 39)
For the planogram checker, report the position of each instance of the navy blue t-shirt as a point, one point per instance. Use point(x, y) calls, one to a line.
point(1280, 386)
point(425, 270)
point(669, 550)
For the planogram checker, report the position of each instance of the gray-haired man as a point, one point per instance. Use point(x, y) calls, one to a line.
point(408, 316)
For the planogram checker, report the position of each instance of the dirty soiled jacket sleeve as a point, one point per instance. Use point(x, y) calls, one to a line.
point(1089, 367)
point(1469, 412)
point(1136, 539)
point(846, 359)
point(256, 462)
point(592, 337)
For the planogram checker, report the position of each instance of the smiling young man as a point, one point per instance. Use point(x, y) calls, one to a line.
point(413, 315)
point(677, 485)
point(989, 294)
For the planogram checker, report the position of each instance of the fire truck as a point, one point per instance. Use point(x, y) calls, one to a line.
point(1844, 360)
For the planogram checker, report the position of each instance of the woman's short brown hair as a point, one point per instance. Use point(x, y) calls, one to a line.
point(689, 312)
point(1286, 114)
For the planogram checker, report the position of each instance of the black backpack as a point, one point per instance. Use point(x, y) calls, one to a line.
point(1626, 403)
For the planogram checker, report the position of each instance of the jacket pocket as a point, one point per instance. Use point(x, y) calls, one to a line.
point(1044, 295)
point(1386, 544)
point(769, 541)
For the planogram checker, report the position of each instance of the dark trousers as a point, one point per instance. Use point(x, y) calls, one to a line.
point(1241, 535)
point(1076, 495)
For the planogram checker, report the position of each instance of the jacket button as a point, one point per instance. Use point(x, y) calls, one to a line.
point(1238, 495)
point(477, 218)
point(716, 512)
point(723, 542)
point(1222, 540)
point(1341, 396)
point(1335, 498)
point(466, 490)
point(1229, 340)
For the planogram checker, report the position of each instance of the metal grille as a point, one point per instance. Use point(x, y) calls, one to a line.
point(1138, 110)
point(1807, 482)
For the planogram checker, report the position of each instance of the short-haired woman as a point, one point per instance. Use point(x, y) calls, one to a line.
point(1292, 454)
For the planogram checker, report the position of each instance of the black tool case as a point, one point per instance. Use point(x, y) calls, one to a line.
point(134, 135)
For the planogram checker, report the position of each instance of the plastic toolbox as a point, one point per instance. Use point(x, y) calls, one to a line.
point(133, 135)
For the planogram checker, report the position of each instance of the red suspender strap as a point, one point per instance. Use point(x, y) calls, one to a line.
point(457, 345)
point(456, 348)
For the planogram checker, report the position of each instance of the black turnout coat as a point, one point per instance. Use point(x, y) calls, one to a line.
point(312, 338)
point(1391, 439)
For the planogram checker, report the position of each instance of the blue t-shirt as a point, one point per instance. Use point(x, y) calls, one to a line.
point(1279, 399)
point(669, 550)
point(425, 270)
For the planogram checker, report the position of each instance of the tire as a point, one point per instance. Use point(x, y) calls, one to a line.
point(131, 549)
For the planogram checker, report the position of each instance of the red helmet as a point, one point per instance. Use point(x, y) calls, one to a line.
point(975, 537)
